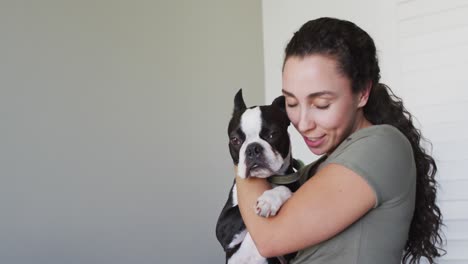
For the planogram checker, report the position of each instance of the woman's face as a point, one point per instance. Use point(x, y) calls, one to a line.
point(320, 102)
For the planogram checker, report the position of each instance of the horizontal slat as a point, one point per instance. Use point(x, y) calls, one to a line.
point(451, 173)
point(435, 41)
point(440, 78)
point(455, 94)
point(449, 150)
point(452, 190)
point(456, 250)
point(439, 114)
point(434, 59)
point(426, 86)
point(440, 132)
point(418, 8)
point(404, 1)
point(448, 19)
point(453, 261)
point(452, 169)
point(455, 229)
point(454, 210)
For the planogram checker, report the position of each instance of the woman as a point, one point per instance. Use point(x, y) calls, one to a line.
point(371, 197)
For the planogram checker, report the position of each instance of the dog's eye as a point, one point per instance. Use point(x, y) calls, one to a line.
point(235, 141)
point(272, 135)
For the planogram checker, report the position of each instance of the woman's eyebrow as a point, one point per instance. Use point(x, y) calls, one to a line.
point(319, 94)
point(312, 95)
point(286, 93)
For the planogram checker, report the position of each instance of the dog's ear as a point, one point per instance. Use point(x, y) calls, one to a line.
point(239, 105)
point(280, 102)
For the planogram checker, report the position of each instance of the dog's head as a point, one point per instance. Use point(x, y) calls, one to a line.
point(258, 138)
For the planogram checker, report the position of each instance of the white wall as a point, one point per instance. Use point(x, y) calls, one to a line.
point(433, 58)
point(423, 51)
point(113, 126)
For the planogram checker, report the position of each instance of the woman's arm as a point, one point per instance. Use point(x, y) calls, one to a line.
point(322, 207)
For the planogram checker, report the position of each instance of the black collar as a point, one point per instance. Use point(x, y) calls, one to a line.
point(289, 178)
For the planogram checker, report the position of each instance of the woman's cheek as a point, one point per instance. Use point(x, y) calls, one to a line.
point(292, 115)
point(328, 118)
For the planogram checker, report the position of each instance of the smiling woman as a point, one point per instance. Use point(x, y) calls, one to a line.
point(371, 197)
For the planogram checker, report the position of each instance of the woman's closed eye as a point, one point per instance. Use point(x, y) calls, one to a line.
point(322, 107)
point(291, 103)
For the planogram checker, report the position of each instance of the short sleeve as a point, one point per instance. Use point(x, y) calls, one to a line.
point(383, 157)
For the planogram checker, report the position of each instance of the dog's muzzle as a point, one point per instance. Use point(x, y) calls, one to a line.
point(254, 157)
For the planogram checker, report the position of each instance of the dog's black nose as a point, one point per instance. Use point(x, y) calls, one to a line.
point(254, 150)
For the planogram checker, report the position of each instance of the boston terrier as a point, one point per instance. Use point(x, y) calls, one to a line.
point(260, 146)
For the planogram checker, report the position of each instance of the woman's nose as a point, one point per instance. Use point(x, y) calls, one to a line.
point(306, 122)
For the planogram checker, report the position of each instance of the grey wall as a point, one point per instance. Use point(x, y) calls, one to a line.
point(113, 115)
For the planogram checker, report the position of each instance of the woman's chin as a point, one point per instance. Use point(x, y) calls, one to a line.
point(317, 151)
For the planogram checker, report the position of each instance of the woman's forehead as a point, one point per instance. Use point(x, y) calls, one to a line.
point(313, 76)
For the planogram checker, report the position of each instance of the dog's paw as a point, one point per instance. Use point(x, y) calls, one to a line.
point(269, 203)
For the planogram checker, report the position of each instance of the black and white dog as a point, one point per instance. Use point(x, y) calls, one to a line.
point(260, 146)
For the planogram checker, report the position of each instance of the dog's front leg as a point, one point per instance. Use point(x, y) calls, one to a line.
point(247, 253)
point(269, 203)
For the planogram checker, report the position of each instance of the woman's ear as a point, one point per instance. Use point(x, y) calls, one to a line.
point(364, 94)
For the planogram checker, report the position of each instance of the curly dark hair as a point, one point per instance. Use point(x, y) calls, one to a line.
point(355, 53)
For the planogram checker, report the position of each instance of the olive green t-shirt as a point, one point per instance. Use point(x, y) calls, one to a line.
point(383, 156)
